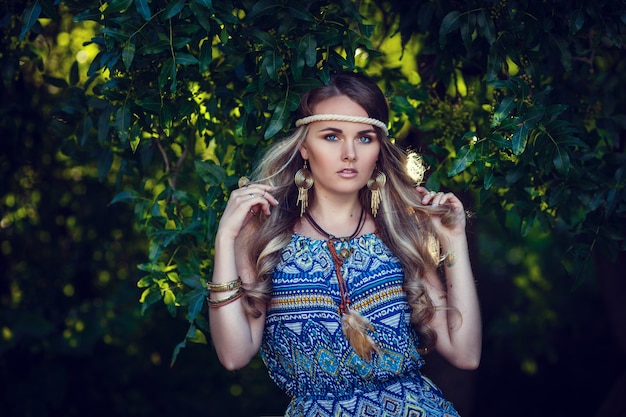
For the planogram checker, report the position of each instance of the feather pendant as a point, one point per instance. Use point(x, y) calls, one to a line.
point(355, 328)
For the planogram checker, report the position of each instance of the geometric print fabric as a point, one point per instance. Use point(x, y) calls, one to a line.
point(307, 355)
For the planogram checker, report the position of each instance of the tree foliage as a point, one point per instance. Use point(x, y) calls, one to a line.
point(513, 100)
point(516, 103)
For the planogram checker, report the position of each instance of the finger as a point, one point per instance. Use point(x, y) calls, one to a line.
point(428, 196)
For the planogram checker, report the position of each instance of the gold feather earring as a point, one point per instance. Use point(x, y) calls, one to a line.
point(304, 181)
point(375, 184)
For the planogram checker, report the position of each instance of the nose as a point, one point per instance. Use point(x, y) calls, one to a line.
point(349, 151)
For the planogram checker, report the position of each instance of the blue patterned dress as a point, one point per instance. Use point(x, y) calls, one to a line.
point(307, 354)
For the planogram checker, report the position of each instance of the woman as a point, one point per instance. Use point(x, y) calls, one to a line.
point(330, 264)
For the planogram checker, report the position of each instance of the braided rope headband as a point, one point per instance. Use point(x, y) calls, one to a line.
point(342, 118)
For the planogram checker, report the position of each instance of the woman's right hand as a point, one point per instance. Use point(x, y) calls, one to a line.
point(243, 204)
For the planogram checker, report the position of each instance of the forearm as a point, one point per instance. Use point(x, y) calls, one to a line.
point(462, 340)
point(236, 335)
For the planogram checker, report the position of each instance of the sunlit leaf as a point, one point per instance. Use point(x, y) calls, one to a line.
point(464, 158)
point(519, 139)
point(504, 109)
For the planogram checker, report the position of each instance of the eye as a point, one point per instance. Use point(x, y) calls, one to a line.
point(331, 138)
point(365, 139)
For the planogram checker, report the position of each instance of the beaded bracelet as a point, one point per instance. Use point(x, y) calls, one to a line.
point(224, 301)
point(224, 286)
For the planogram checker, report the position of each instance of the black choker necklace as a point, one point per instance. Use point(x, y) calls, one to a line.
point(338, 258)
point(344, 252)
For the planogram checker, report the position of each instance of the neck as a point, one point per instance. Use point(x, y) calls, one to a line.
point(330, 235)
point(335, 210)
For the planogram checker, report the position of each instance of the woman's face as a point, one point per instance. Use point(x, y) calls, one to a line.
point(341, 155)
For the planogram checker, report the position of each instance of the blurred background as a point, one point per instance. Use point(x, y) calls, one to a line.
point(75, 339)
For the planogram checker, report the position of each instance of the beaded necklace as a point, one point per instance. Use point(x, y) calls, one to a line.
point(339, 258)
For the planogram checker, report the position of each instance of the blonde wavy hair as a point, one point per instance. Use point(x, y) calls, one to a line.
point(402, 223)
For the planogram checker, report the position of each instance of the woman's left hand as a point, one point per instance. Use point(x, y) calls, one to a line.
point(456, 225)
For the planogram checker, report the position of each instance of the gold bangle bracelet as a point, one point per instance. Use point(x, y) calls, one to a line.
point(223, 301)
point(224, 286)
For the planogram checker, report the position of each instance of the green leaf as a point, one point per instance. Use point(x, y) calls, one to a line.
point(278, 120)
point(74, 74)
point(173, 8)
point(576, 21)
point(84, 128)
point(145, 282)
point(489, 180)
point(105, 160)
point(194, 299)
point(485, 22)
point(117, 6)
point(272, 62)
point(566, 56)
point(57, 82)
point(450, 23)
point(144, 9)
point(261, 8)
point(128, 53)
point(155, 47)
point(308, 47)
point(520, 138)
point(104, 125)
point(561, 161)
point(148, 297)
point(209, 172)
point(166, 73)
point(206, 56)
point(206, 3)
point(29, 17)
point(151, 103)
point(169, 299)
point(186, 59)
point(126, 196)
point(464, 158)
point(504, 109)
point(134, 137)
point(264, 38)
point(198, 337)
point(89, 14)
point(122, 121)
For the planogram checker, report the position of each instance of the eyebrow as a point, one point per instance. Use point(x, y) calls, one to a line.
point(336, 130)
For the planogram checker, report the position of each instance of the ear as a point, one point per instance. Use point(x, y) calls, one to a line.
point(304, 153)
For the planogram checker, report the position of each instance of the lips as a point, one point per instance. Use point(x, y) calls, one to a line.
point(348, 173)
